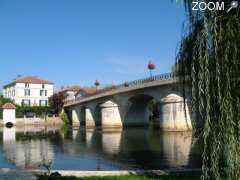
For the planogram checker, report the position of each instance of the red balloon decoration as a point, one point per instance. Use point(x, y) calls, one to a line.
point(151, 66)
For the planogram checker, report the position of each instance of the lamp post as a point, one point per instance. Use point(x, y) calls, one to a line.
point(126, 84)
point(97, 83)
point(151, 66)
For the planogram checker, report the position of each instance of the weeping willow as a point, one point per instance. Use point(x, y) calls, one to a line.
point(209, 58)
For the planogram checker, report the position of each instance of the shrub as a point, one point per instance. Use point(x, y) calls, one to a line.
point(41, 111)
point(64, 117)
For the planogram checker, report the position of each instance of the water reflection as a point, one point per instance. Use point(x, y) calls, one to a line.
point(91, 149)
point(9, 142)
point(30, 153)
point(176, 147)
point(89, 138)
point(111, 141)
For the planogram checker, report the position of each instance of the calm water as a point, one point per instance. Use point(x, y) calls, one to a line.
point(80, 149)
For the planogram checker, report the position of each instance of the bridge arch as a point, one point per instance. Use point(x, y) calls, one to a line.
point(138, 111)
point(170, 112)
point(76, 115)
point(91, 115)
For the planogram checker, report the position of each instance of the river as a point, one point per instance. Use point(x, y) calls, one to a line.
point(96, 149)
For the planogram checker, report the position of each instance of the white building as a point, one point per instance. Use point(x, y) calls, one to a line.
point(29, 90)
point(84, 92)
point(69, 92)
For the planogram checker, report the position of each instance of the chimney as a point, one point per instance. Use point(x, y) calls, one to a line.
point(18, 76)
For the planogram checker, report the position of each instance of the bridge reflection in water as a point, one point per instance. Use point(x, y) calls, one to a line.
point(91, 149)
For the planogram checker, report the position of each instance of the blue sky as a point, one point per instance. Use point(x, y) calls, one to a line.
point(78, 41)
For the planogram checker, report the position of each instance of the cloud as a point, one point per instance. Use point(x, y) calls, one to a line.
point(129, 64)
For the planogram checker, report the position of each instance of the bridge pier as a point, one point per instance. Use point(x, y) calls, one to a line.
point(173, 116)
point(75, 117)
point(89, 117)
point(137, 113)
point(110, 115)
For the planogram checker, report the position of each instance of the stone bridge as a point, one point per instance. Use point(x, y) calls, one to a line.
point(127, 105)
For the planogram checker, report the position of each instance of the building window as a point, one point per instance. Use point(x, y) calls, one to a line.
point(13, 93)
point(26, 85)
point(26, 102)
point(43, 86)
point(43, 102)
point(41, 92)
point(27, 92)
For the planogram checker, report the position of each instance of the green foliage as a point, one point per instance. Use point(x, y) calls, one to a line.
point(21, 110)
point(153, 107)
point(37, 110)
point(4, 100)
point(209, 56)
point(64, 117)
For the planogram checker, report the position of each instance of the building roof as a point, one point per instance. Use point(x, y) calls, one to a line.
point(9, 106)
point(75, 88)
point(29, 79)
point(92, 91)
point(87, 91)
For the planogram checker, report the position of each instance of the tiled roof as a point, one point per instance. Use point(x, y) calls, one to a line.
point(70, 88)
point(29, 79)
point(87, 91)
point(9, 106)
point(93, 91)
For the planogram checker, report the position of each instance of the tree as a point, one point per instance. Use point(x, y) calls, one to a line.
point(153, 107)
point(56, 102)
point(209, 56)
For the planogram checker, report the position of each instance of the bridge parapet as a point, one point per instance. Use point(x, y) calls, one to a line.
point(160, 77)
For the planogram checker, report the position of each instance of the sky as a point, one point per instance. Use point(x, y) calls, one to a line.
point(78, 41)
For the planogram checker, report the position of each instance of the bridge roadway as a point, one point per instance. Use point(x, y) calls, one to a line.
point(128, 106)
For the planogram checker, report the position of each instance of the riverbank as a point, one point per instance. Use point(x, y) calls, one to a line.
point(48, 121)
point(77, 173)
point(143, 175)
point(120, 175)
point(191, 174)
point(131, 177)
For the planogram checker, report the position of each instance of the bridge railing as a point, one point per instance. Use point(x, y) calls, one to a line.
point(160, 77)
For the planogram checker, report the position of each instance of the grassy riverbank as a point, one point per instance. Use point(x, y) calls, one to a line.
point(131, 177)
